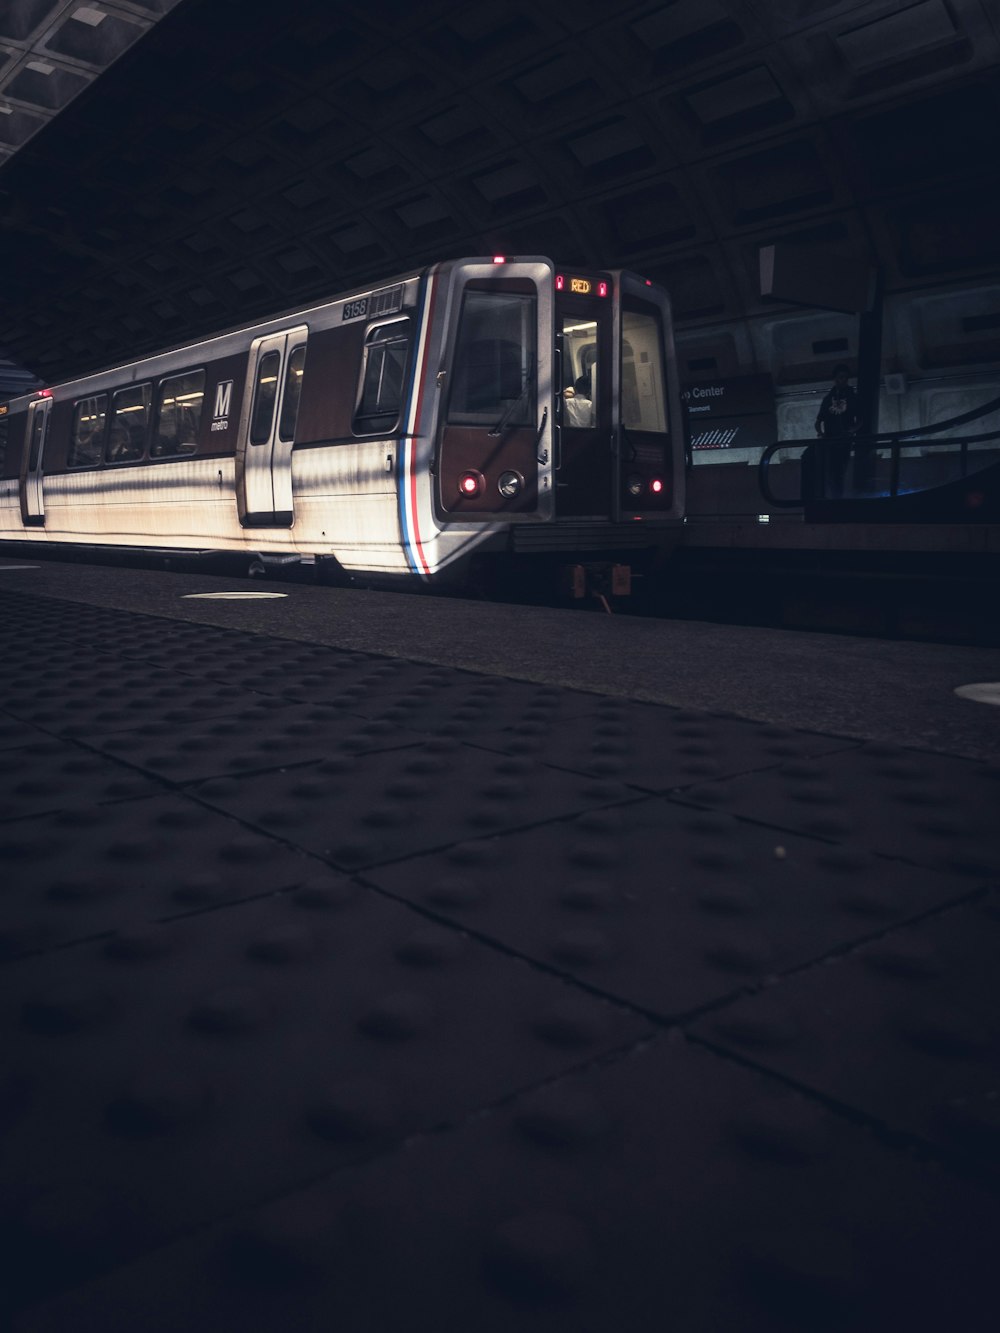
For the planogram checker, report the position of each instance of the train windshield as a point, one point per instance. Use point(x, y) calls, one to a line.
point(494, 360)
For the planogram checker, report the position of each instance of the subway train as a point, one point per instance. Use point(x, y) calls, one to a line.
point(475, 409)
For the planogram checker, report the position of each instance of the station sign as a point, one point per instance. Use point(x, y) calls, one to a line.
point(734, 413)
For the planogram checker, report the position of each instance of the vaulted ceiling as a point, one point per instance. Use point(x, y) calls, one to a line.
point(171, 167)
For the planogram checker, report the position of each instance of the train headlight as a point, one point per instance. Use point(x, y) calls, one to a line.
point(635, 485)
point(470, 484)
point(510, 484)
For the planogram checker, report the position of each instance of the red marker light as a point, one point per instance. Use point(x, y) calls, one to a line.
point(469, 483)
point(656, 485)
point(602, 289)
point(45, 393)
point(649, 282)
point(560, 282)
point(499, 259)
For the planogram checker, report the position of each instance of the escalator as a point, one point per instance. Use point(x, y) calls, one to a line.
point(925, 475)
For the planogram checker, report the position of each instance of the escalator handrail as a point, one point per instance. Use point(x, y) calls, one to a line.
point(894, 440)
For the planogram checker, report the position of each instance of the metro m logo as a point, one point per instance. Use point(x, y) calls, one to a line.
point(223, 397)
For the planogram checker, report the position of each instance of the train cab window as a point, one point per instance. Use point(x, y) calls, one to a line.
point(293, 392)
point(130, 413)
point(382, 375)
point(265, 394)
point(178, 415)
point(89, 420)
point(579, 362)
point(643, 394)
point(494, 360)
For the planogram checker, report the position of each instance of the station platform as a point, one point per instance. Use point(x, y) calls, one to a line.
point(374, 961)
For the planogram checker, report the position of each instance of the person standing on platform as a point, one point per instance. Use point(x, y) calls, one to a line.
point(837, 423)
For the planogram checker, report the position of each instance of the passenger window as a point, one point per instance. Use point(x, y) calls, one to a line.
point(178, 415)
point(293, 392)
point(264, 396)
point(382, 376)
point(130, 411)
point(4, 419)
point(643, 396)
point(579, 361)
point(87, 445)
point(494, 361)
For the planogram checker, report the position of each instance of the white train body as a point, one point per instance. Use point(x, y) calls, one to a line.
point(398, 429)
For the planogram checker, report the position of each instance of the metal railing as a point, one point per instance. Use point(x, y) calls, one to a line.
point(813, 479)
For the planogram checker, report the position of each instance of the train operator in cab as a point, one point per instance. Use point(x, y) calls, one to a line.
point(579, 403)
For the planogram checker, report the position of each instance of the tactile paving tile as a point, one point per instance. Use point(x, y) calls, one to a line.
point(339, 679)
point(666, 1190)
point(113, 694)
point(927, 808)
point(85, 870)
point(175, 1073)
point(15, 733)
point(49, 622)
point(260, 736)
point(54, 623)
point(56, 775)
point(468, 706)
point(436, 700)
point(654, 747)
point(363, 809)
point(204, 650)
point(906, 1030)
point(662, 905)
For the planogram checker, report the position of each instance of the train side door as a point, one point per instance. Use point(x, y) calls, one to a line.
point(32, 497)
point(264, 457)
point(584, 328)
point(494, 455)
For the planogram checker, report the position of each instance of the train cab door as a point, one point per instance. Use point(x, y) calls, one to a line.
point(496, 431)
point(264, 454)
point(584, 333)
point(32, 496)
point(649, 446)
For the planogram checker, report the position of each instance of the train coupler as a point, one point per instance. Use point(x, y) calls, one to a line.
point(598, 580)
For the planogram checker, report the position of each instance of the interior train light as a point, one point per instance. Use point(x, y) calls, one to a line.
point(470, 483)
point(602, 289)
point(499, 259)
point(656, 486)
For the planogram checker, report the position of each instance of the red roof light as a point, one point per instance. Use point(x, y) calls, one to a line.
point(602, 289)
point(560, 282)
point(499, 259)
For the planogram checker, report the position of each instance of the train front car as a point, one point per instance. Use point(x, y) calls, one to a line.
point(496, 410)
point(547, 418)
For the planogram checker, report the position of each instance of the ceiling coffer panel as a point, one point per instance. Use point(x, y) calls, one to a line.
point(168, 167)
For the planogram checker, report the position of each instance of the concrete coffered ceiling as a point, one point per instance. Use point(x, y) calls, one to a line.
point(171, 167)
